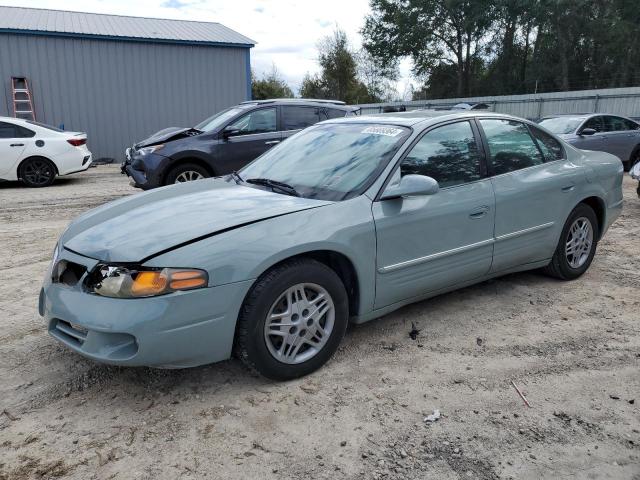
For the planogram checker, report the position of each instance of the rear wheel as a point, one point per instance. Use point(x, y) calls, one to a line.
point(635, 158)
point(577, 244)
point(187, 172)
point(292, 320)
point(37, 172)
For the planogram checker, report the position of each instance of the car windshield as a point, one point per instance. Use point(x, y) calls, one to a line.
point(331, 161)
point(562, 125)
point(219, 119)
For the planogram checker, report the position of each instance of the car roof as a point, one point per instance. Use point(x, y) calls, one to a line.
point(302, 101)
point(582, 115)
point(415, 117)
point(21, 121)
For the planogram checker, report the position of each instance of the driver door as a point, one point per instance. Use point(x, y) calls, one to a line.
point(257, 133)
point(598, 141)
point(430, 242)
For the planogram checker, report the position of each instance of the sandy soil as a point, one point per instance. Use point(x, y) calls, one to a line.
point(573, 348)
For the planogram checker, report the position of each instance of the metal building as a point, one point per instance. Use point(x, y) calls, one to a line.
point(120, 78)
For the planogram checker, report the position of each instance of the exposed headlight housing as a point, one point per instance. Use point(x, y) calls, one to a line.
point(147, 150)
point(119, 281)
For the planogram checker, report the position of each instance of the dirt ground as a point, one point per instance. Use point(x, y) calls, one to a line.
point(572, 348)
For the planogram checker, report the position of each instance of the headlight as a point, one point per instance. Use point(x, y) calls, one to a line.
point(131, 282)
point(56, 253)
point(147, 150)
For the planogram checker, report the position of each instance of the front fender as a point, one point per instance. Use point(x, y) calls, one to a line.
point(247, 252)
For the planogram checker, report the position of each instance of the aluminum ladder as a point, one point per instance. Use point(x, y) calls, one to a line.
point(22, 99)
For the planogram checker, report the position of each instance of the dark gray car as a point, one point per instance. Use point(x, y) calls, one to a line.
point(225, 142)
point(613, 134)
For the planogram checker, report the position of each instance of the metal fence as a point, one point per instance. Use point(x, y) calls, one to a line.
point(621, 101)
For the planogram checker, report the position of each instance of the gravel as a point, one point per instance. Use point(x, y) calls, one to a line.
point(567, 345)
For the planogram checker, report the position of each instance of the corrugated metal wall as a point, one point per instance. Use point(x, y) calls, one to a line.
point(120, 92)
point(622, 101)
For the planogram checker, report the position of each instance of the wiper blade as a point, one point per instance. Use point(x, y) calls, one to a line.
point(275, 185)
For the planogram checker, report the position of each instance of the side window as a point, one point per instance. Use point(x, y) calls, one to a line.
point(258, 121)
point(297, 118)
point(551, 148)
point(616, 124)
point(7, 130)
point(613, 124)
point(24, 132)
point(449, 154)
point(594, 122)
point(510, 145)
point(631, 125)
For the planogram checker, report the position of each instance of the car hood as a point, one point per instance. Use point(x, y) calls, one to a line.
point(167, 135)
point(139, 227)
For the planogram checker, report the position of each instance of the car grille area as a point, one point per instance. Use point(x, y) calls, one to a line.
point(105, 346)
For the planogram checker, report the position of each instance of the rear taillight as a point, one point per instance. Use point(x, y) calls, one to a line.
point(76, 142)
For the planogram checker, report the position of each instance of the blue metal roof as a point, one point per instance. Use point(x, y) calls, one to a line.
point(36, 21)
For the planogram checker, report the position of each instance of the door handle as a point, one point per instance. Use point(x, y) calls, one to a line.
point(272, 142)
point(568, 188)
point(480, 212)
point(17, 145)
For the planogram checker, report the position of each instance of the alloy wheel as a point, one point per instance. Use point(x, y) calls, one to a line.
point(38, 172)
point(299, 323)
point(189, 176)
point(579, 242)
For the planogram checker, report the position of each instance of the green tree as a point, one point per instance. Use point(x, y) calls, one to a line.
point(431, 32)
point(271, 85)
point(345, 74)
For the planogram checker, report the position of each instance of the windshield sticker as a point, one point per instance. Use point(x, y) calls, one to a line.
point(387, 131)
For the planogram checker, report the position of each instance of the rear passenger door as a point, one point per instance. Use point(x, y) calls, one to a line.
point(12, 144)
point(622, 136)
point(535, 188)
point(295, 118)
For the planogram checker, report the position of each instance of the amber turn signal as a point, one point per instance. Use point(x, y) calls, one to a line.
point(187, 279)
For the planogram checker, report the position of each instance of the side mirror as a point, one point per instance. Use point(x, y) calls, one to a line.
point(587, 131)
point(411, 185)
point(230, 132)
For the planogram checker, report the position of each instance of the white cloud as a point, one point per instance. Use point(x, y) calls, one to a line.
point(286, 31)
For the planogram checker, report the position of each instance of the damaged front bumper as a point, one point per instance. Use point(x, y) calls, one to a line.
point(145, 172)
point(182, 329)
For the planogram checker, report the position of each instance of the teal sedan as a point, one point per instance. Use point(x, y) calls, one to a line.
point(343, 222)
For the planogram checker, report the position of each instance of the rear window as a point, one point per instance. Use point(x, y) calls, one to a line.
point(562, 125)
point(44, 125)
point(335, 113)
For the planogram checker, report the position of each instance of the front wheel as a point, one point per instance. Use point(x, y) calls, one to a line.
point(577, 244)
point(187, 172)
point(292, 320)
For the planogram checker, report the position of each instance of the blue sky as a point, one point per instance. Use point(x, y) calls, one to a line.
point(286, 31)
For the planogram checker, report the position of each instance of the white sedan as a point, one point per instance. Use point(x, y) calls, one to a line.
point(36, 153)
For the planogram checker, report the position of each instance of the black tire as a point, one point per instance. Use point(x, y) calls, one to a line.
point(559, 266)
point(183, 169)
point(250, 345)
point(635, 158)
point(37, 172)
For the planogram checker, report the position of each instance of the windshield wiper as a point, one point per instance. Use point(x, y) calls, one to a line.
point(236, 176)
point(275, 185)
